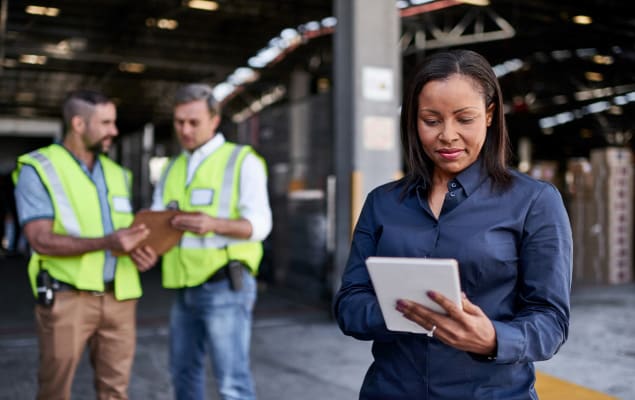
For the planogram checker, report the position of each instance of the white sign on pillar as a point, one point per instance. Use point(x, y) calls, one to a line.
point(377, 83)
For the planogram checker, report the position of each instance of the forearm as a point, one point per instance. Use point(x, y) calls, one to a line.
point(235, 228)
point(358, 315)
point(53, 244)
point(529, 338)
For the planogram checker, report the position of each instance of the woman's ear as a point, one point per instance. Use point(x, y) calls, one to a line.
point(490, 114)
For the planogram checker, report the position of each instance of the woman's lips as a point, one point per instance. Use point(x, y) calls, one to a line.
point(450, 154)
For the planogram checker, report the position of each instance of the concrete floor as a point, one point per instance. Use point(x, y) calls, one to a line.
point(299, 353)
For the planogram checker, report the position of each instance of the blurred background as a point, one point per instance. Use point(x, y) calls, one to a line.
point(567, 70)
point(315, 86)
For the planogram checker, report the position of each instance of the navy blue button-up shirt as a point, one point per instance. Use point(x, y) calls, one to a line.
point(514, 251)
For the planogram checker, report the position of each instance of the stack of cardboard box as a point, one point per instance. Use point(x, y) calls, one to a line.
point(579, 191)
point(608, 248)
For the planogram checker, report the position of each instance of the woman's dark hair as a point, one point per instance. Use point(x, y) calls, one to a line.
point(441, 66)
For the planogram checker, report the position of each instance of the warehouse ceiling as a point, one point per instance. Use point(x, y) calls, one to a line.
point(556, 73)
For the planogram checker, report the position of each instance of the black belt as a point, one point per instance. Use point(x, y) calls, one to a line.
point(219, 275)
point(109, 287)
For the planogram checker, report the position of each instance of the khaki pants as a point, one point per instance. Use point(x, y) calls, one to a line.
point(75, 320)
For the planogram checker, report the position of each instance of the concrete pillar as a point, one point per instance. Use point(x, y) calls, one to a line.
point(367, 96)
point(299, 130)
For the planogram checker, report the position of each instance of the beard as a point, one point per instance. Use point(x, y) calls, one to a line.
point(99, 147)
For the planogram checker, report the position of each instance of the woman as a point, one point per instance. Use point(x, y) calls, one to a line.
point(510, 234)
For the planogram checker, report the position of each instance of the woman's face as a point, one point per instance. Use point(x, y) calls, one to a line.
point(452, 123)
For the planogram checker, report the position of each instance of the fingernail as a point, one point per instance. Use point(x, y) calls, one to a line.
point(401, 305)
point(431, 294)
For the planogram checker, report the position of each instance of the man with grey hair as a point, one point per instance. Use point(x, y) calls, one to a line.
point(74, 205)
point(223, 188)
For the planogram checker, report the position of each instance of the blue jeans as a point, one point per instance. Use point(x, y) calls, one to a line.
point(211, 317)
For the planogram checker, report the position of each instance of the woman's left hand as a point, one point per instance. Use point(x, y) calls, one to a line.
point(468, 329)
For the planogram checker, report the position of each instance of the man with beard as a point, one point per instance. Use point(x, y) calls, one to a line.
point(74, 205)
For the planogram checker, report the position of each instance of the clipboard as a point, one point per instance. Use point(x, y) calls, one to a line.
point(410, 278)
point(162, 235)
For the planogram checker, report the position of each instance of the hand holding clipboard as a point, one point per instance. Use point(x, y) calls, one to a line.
point(162, 235)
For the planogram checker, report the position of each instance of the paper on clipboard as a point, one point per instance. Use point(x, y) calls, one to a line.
point(410, 278)
point(162, 235)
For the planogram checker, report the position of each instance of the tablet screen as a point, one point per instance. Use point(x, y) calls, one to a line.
point(410, 278)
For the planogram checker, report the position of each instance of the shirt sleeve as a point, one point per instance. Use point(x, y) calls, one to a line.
point(541, 324)
point(253, 203)
point(356, 307)
point(31, 197)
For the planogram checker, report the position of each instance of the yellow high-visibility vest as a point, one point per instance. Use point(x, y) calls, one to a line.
point(214, 190)
point(78, 213)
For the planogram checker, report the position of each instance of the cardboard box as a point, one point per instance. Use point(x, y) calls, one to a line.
point(609, 219)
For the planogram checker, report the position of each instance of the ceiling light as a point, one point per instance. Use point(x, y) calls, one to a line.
point(582, 19)
point(586, 53)
point(311, 26)
point(242, 76)
point(508, 66)
point(131, 67)
point(604, 60)
point(223, 90)
point(594, 76)
point(615, 110)
point(289, 34)
point(32, 59)
point(475, 2)
point(203, 5)
point(329, 22)
point(39, 10)
point(168, 24)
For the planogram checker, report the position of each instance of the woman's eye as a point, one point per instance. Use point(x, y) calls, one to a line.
point(431, 122)
point(466, 120)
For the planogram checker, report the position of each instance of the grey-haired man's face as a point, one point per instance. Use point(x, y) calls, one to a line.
point(194, 124)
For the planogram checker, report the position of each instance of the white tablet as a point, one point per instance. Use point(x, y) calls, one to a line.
point(410, 278)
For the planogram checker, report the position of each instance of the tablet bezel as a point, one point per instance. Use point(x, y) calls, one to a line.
point(396, 278)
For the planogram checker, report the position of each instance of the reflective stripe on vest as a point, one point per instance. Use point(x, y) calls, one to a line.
point(197, 257)
point(78, 213)
point(68, 218)
point(224, 209)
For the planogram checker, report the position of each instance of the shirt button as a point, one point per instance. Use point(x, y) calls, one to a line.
point(452, 194)
point(453, 184)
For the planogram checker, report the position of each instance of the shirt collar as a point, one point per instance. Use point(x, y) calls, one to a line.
point(82, 165)
point(208, 148)
point(472, 177)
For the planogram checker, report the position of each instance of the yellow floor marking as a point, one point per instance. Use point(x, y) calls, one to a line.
point(551, 388)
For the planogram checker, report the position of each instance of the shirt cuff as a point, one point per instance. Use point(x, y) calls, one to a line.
point(510, 343)
point(260, 228)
